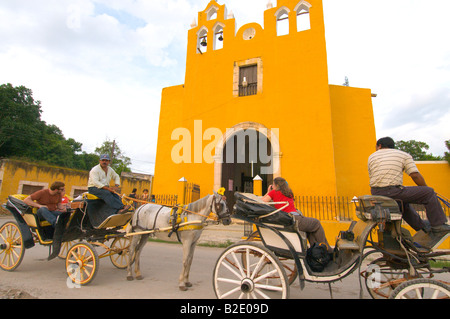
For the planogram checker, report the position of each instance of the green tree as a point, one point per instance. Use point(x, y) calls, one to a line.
point(20, 121)
point(417, 150)
point(24, 135)
point(447, 154)
point(119, 162)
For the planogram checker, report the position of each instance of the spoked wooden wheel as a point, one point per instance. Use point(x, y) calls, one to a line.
point(82, 263)
point(65, 249)
point(422, 288)
point(12, 249)
point(251, 279)
point(289, 264)
point(381, 278)
point(119, 248)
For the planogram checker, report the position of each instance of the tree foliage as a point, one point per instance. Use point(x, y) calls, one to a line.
point(119, 162)
point(24, 135)
point(447, 154)
point(417, 150)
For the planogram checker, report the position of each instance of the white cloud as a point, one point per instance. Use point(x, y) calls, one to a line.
point(400, 51)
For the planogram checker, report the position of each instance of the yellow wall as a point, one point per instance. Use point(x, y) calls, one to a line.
point(354, 138)
point(436, 174)
point(13, 173)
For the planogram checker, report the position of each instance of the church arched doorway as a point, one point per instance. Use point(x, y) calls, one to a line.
point(247, 153)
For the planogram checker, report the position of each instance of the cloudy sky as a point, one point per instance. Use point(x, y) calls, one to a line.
point(98, 66)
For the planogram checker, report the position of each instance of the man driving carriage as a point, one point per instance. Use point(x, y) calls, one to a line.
point(100, 177)
point(386, 167)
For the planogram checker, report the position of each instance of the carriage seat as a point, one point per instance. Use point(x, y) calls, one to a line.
point(29, 214)
point(378, 208)
point(80, 201)
point(89, 196)
point(251, 207)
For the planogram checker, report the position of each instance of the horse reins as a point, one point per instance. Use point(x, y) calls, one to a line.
point(171, 206)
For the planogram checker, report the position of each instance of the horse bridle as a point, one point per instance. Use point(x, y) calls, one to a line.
point(216, 205)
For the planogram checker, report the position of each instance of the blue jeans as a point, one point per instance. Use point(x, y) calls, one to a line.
point(111, 199)
point(48, 215)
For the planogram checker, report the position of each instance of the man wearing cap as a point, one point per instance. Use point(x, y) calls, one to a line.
point(98, 185)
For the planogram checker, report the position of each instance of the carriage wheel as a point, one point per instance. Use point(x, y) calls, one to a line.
point(119, 247)
point(289, 264)
point(82, 263)
point(236, 279)
point(12, 249)
point(422, 288)
point(380, 278)
point(65, 249)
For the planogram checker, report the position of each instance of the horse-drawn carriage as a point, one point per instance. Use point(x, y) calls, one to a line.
point(91, 223)
point(264, 266)
point(77, 232)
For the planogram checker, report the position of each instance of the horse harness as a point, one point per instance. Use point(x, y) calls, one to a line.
point(175, 218)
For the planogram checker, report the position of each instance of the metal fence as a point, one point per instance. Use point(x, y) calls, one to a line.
point(167, 200)
point(324, 208)
point(420, 209)
point(191, 193)
point(339, 208)
point(329, 208)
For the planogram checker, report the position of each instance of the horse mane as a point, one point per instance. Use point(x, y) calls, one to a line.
point(199, 204)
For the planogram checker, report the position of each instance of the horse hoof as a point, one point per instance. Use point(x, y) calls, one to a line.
point(130, 278)
point(139, 278)
point(188, 284)
point(183, 288)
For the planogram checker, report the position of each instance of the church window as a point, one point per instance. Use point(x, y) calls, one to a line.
point(303, 16)
point(282, 22)
point(248, 77)
point(218, 37)
point(248, 80)
point(211, 14)
point(249, 34)
point(202, 41)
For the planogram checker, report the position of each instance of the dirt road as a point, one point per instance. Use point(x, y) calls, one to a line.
point(160, 264)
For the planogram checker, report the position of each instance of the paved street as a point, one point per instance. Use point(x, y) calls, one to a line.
point(160, 265)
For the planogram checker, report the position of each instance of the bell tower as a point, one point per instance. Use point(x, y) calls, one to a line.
point(271, 79)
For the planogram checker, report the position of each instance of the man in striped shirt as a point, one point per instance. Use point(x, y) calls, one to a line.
point(386, 167)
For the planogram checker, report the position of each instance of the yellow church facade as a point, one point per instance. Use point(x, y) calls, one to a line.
point(257, 102)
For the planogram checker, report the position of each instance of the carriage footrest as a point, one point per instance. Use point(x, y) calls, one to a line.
point(344, 244)
point(429, 241)
point(116, 221)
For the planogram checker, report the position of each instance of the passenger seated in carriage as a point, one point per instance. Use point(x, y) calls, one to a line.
point(48, 202)
point(280, 191)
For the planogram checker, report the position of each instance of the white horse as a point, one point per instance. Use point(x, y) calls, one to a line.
point(154, 217)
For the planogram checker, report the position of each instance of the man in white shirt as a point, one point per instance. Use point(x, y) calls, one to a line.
point(386, 168)
point(99, 184)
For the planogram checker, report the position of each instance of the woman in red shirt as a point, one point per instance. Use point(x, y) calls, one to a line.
point(280, 191)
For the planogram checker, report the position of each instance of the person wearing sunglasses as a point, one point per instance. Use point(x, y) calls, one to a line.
point(48, 202)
